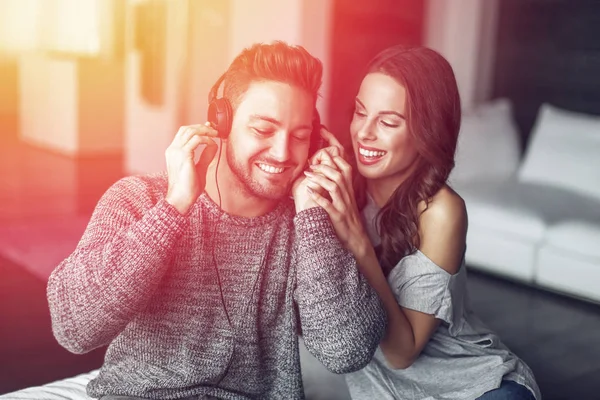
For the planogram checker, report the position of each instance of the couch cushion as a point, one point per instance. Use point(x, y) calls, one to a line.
point(498, 206)
point(72, 388)
point(488, 143)
point(563, 151)
point(500, 252)
point(568, 272)
point(319, 384)
point(524, 209)
point(579, 237)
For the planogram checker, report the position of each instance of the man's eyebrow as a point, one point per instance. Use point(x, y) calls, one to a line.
point(390, 112)
point(273, 121)
point(276, 122)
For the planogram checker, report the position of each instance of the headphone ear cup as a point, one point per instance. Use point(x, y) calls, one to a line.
point(220, 116)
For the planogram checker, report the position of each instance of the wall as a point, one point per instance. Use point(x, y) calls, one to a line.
point(488, 47)
point(149, 128)
point(264, 21)
point(548, 52)
point(360, 30)
point(49, 103)
point(464, 32)
point(208, 55)
point(70, 91)
point(15, 35)
point(302, 22)
point(316, 36)
point(69, 106)
point(9, 98)
point(101, 106)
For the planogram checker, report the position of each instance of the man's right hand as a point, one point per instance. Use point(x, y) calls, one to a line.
point(187, 178)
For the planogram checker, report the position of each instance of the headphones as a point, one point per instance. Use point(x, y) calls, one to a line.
point(220, 116)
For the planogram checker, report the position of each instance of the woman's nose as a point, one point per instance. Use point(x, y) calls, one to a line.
point(366, 130)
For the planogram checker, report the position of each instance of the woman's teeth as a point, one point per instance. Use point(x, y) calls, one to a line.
point(270, 169)
point(370, 153)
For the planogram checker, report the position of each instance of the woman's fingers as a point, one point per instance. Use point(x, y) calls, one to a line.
point(333, 213)
point(337, 177)
point(324, 155)
point(331, 140)
point(346, 170)
point(316, 181)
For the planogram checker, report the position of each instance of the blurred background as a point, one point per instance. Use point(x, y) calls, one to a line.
point(94, 90)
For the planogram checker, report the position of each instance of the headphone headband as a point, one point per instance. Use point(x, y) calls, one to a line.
point(215, 88)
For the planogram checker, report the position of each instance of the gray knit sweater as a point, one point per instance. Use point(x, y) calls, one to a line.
point(143, 280)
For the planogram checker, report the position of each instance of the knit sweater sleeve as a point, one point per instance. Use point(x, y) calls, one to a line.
point(341, 316)
point(119, 262)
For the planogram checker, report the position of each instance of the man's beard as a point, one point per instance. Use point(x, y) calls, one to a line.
point(249, 185)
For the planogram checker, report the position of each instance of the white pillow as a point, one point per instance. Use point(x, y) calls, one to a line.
point(564, 151)
point(488, 144)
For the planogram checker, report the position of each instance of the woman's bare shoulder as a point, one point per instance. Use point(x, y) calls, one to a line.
point(443, 229)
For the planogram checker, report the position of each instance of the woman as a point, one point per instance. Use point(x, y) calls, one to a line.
point(407, 229)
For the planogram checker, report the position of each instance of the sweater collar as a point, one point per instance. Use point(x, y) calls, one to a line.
point(214, 209)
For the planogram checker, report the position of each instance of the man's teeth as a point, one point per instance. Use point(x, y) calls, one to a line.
point(270, 169)
point(370, 153)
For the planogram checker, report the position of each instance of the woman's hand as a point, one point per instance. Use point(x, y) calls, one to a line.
point(333, 175)
point(301, 195)
point(334, 149)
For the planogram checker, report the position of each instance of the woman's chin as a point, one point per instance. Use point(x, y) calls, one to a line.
point(369, 172)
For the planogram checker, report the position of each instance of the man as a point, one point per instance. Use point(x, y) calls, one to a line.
point(192, 276)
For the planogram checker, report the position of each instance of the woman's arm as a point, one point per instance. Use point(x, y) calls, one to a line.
point(442, 232)
point(442, 229)
point(407, 331)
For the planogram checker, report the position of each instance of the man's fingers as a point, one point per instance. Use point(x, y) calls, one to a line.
point(203, 127)
point(196, 140)
point(186, 132)
point(206, 157)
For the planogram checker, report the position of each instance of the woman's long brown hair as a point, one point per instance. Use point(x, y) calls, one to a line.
point(433, 120)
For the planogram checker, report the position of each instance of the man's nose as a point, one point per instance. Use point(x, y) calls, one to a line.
point(280, 147)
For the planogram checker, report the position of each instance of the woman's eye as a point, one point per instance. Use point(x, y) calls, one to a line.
point(389, 124)
point(360, 113)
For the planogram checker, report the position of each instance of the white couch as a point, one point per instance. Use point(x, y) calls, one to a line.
point(319, 384)
point(534, 219)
